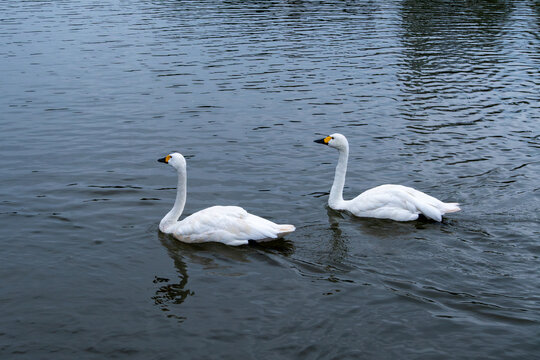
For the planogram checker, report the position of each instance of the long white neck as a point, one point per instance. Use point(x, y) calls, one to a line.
point(172, 216)
point(335, 201)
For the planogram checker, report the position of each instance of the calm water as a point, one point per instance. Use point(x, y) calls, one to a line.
point(439, 95)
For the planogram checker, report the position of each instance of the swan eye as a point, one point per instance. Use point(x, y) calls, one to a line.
point(327, 139)
point(167, 158)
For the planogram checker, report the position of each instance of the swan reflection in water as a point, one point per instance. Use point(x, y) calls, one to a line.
point(364, 237)
point(338, 246)
point(378, 228)
point(174, 291)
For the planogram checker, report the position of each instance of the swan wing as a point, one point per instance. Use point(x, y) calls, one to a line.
point(399, 203)
point(230, 225)
point(383, 204)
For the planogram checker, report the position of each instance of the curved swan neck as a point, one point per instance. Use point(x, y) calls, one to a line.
point(179, 203)
point(335, 201)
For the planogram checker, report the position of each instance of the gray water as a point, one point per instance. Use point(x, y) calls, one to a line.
point(439, 95)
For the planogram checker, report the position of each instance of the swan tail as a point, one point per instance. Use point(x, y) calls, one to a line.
point(451, 207)
point(284, 229)
point(436, 213)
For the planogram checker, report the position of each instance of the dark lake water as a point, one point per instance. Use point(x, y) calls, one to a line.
point(439, 95)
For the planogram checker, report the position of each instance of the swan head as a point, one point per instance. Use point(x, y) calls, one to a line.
point(337, 141)
point(176, 160)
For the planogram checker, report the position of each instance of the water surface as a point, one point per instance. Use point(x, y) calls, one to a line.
point(438, 95)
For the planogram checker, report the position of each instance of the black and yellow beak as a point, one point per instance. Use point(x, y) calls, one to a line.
point(165, 159)
point(324, 141)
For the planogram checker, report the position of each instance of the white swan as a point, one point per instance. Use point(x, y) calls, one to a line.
point(230, 225)
point(396, 202)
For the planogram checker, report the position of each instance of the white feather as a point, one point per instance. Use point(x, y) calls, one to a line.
point(396, 202)
point(229, 225)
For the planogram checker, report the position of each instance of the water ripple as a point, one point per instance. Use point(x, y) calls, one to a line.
point(441, 96)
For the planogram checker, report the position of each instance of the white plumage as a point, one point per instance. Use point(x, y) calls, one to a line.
point(396, 202)
point(230, 225)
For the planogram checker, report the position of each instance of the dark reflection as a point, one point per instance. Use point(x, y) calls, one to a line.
point(211, 256)
point(441, 32)
point(446, 45)
point(207, 254)
point(433, 17)
point(381, 228)
point(338, 244)
point(446, 27)
point(280, 246)
point(174, 292)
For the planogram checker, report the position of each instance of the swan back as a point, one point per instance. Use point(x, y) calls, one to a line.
point(398, 202)
point(230, 225)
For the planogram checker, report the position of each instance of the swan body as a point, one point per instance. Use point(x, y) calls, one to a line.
point(230, 225)
point(395, 202)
